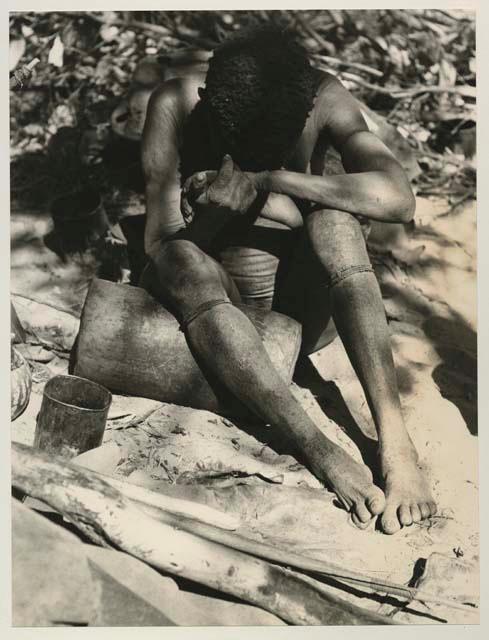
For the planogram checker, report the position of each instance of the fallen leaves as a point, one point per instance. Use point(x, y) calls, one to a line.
point(416, 67)
point(16, 51)
point(56, 53)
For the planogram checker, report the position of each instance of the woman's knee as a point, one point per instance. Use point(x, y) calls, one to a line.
point(182, 269)
point(338, 244)
point(180, 256)
point(337, 239)
point(329, 220)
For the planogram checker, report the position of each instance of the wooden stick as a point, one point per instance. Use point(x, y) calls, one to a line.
point(136, 24)
point(324, 44)
point(452, 17)
point(175, 506)
point(398, 92)
point(209, 523)
point(290, 558)
point(411, 594)
point(179, 32)
point(352, 65)
point(104, 514)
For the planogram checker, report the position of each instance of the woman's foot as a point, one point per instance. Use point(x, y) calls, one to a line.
point(351, 482)
point(407, 492)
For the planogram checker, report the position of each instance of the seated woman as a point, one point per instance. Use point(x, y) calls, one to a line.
point(259, 222)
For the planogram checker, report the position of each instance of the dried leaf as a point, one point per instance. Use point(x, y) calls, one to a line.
point(382, 42)
point(448, 74)
point(16, 51)
point(103, 69)
point(34, 130)
point(108, 33)
point(109, 16)
point(126, 39)
point(56, 53)
point(27, 31)
point(70, 35)
point(62, 116)
point(437, 28)
point(467, 91)
point(414, 130)
point(337, 16)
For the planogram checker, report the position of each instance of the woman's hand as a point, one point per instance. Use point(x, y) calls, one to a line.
point(229, 190)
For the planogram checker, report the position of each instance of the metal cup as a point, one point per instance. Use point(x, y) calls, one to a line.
point(73, 416)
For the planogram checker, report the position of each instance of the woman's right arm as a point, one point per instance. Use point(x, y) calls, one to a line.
point(160, 161)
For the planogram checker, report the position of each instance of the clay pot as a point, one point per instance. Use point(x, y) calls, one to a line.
point(129, 343)
point(20, 383)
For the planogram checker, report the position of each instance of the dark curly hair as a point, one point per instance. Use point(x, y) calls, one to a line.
point(259, 90)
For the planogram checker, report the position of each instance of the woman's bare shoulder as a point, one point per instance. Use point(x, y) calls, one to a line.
point(336, 110)
point(330, 90)
point(178, 95)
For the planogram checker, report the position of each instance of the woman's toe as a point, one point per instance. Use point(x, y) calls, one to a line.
point(390, 521)
point(405, 517)
point(375, 501)
point(357, 522)
point(425, 510)
point(415, 513)
point(362, 513)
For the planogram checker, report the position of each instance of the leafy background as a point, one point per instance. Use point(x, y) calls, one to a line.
point(417, 68)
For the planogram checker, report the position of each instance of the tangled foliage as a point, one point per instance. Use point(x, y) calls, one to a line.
point(415, 67)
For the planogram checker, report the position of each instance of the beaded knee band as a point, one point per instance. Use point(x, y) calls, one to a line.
point(346, 272)
point(205, 306)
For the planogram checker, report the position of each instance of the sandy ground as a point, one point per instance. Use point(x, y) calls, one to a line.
point(428, 280)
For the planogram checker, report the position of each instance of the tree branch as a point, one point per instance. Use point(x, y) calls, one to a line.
point(104, 514)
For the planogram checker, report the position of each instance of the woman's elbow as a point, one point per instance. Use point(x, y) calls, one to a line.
point(400, 203)
point(406, 207)
point(400, 200)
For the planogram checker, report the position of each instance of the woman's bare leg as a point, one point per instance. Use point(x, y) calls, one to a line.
point(228, 345)
point(353, 294)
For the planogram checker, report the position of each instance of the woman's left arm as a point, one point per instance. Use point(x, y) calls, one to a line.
point(374, 186)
